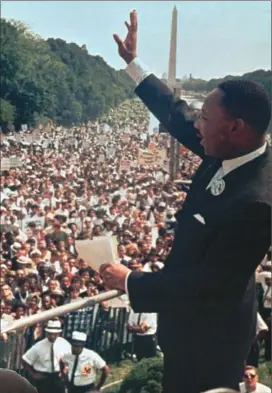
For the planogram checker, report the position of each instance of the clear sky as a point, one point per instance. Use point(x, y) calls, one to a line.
point(215, 38)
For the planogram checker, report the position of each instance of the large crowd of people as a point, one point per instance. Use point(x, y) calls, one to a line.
point(67, 184)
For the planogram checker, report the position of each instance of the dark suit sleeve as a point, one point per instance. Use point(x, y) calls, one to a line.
point(170, 111)
point(231, 258)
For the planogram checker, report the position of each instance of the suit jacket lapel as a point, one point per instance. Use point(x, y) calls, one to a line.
point(202, 178)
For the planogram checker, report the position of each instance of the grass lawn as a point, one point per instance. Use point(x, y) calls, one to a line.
point(265, 371)
point(118, 371)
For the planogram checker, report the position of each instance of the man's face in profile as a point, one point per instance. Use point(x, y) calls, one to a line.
point(214, 125)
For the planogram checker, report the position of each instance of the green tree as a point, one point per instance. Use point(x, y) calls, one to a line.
point(199, 85)
point(146, 377)
point(7, 112)
point(56, 80)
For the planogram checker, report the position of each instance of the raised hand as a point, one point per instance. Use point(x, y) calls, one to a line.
point(128, 49)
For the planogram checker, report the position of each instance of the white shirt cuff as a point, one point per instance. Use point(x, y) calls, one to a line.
point(126, 284)
point(137, 70)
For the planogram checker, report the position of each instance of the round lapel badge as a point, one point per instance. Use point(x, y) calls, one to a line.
point(217, 187)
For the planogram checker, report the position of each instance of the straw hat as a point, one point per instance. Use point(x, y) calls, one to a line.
point(79, 338)
point(53, 327)
point(16, 247)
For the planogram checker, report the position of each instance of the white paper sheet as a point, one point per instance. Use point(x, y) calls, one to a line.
point(98, 251)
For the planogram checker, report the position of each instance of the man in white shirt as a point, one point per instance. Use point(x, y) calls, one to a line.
point(122, 257)
point(153, 265)
point(264, 278)
point(250, 382)
point(63, 211)
point(42, 361)
point(81, 364)
point(261, 331)
point(144, 328)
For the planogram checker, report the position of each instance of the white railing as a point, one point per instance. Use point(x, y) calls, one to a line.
point(61, 310)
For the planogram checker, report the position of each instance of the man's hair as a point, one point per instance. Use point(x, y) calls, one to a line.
point(251, 368)
point(75, 279)
point(247, 100)
point(221, 390)
point(21, 281)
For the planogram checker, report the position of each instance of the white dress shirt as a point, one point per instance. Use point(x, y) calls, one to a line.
point(138, 71)
point(149, 318)
point(229, 165)
point(86, 358)
point(267, 292)
point(267, 296)
point(261, 325)
point(39, 356)
point(126, 259)
point(62, 212)
point(148, 265)
point(260, 388)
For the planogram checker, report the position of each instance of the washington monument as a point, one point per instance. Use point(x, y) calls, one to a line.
point(173, 50)
point(172, 83)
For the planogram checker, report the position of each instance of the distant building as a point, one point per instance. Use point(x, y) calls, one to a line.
point(178, 81)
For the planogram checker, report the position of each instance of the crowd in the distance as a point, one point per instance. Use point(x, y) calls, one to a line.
point(69, 186)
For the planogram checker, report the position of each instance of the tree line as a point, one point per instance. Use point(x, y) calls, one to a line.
point(52, 79)
point(202, 86)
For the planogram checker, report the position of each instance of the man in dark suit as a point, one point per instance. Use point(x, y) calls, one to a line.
point(205, 295)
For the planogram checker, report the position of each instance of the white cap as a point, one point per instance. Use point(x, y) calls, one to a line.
point(162, 204)
point(53, 327)
point(79, 337)
point(16, 246)
point(23, 260)
point(35, 252)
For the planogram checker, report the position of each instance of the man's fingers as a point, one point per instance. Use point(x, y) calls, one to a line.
point(103, 268)
point(133, 20)
point(118, 41)
point(128, 25)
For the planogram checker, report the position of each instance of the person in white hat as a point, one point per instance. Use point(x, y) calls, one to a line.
point(42, 361)
point(81, 365)
point(15, 248)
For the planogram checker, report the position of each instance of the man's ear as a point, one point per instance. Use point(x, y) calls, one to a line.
point(238, 125)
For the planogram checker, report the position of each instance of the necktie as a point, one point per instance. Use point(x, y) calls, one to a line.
point(211, 171)
point(139, 319)
point(52, 358)
point(74, 369)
